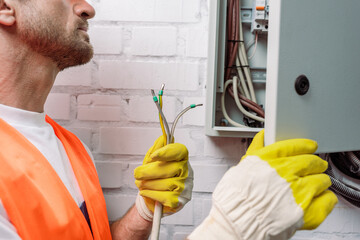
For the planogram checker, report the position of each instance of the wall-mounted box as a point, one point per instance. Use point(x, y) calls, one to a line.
point(318, 39)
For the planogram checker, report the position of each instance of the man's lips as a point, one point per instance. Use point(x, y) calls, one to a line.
point(83, 28)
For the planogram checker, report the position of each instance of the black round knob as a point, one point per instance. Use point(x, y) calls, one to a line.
point(302, 85)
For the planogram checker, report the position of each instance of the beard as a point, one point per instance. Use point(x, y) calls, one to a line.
point(45, 36)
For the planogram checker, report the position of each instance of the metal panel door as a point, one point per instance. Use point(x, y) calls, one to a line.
point(321, 40)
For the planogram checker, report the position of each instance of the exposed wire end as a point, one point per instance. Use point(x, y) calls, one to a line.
point(154, 96)
point(161, 114)
point(161, 92)
point(196, 105)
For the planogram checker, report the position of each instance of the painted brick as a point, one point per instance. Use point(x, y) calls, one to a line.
point(128, 179)
point(196, 44)
point(110, 174)
point(75, 76)
point(196, 116)
point(147, 10)
point(207, 176)
point(177, 10)
point(224, 147)
point(100, 107)
point(124, 10)
point(147, 75)
point(192, 142)
point(106, 39)
point(181, 235)
point(135, 141)
point(206, 207)
point(183, 217)
point(143, 109)
point(154, 41)
point(84, 134)
point(343, 218)
point(57, 106)
point(117, 205)
point(163, 235)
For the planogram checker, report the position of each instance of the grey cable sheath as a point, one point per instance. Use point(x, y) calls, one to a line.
point(347, 192)
point(179, 116)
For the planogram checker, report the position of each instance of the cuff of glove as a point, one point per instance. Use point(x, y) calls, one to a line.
point(144, 212)
point(214, 227)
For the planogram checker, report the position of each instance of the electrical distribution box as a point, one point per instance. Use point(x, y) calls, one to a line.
point(304, 71)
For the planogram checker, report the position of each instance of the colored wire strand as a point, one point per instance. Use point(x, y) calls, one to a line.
point(161, 92)
point(169, 136)
point(162, 115)
point(180, 115)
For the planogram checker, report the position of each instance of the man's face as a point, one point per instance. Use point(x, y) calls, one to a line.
point(57, 29)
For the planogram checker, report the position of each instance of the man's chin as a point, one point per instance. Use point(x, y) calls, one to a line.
point(77, 58)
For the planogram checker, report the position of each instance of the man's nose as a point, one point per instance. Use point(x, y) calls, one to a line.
point(84, 10)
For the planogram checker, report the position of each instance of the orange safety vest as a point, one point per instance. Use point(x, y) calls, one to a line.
point(37, 202)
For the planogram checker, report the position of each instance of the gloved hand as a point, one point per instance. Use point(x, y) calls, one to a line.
point(273, 191)
point(165, 176)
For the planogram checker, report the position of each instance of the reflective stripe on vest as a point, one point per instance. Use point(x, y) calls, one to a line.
point(36, 201)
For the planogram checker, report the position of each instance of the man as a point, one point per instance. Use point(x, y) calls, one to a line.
point(49, 187)
point(39, 200)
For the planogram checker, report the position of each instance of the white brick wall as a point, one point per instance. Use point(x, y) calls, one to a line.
point(146, 75)
point(75, 76)
point(154, 41)
point(106, 40)
point(140, 44)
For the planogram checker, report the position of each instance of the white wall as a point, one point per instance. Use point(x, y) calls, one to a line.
point(140, 44)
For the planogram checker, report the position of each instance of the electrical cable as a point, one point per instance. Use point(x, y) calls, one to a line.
point(256, 43)
point(248, 103)
point(233, 39)
point(249, 44)
point(236, 53)
point(169, 136)
point(162, 115)
point(244, 60)
point(160, 103)
point(253, 105)
point(180, 115)
point(348, 163)
point(232, 36)
point(242, 79)
point(348, 191)
point(241, 108)
point(223, 108)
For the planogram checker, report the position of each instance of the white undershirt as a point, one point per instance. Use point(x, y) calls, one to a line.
point(34, 127)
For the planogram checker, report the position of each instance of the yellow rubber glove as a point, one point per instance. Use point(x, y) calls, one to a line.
point(165, 176)
point(273, 191)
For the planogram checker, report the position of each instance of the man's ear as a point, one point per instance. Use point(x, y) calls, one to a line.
point(7, 14)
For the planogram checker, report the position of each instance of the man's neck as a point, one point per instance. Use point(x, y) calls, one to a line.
point(26, 78)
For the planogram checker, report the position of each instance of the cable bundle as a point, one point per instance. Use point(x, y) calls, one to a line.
point(344, 172)
point(238, 82)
